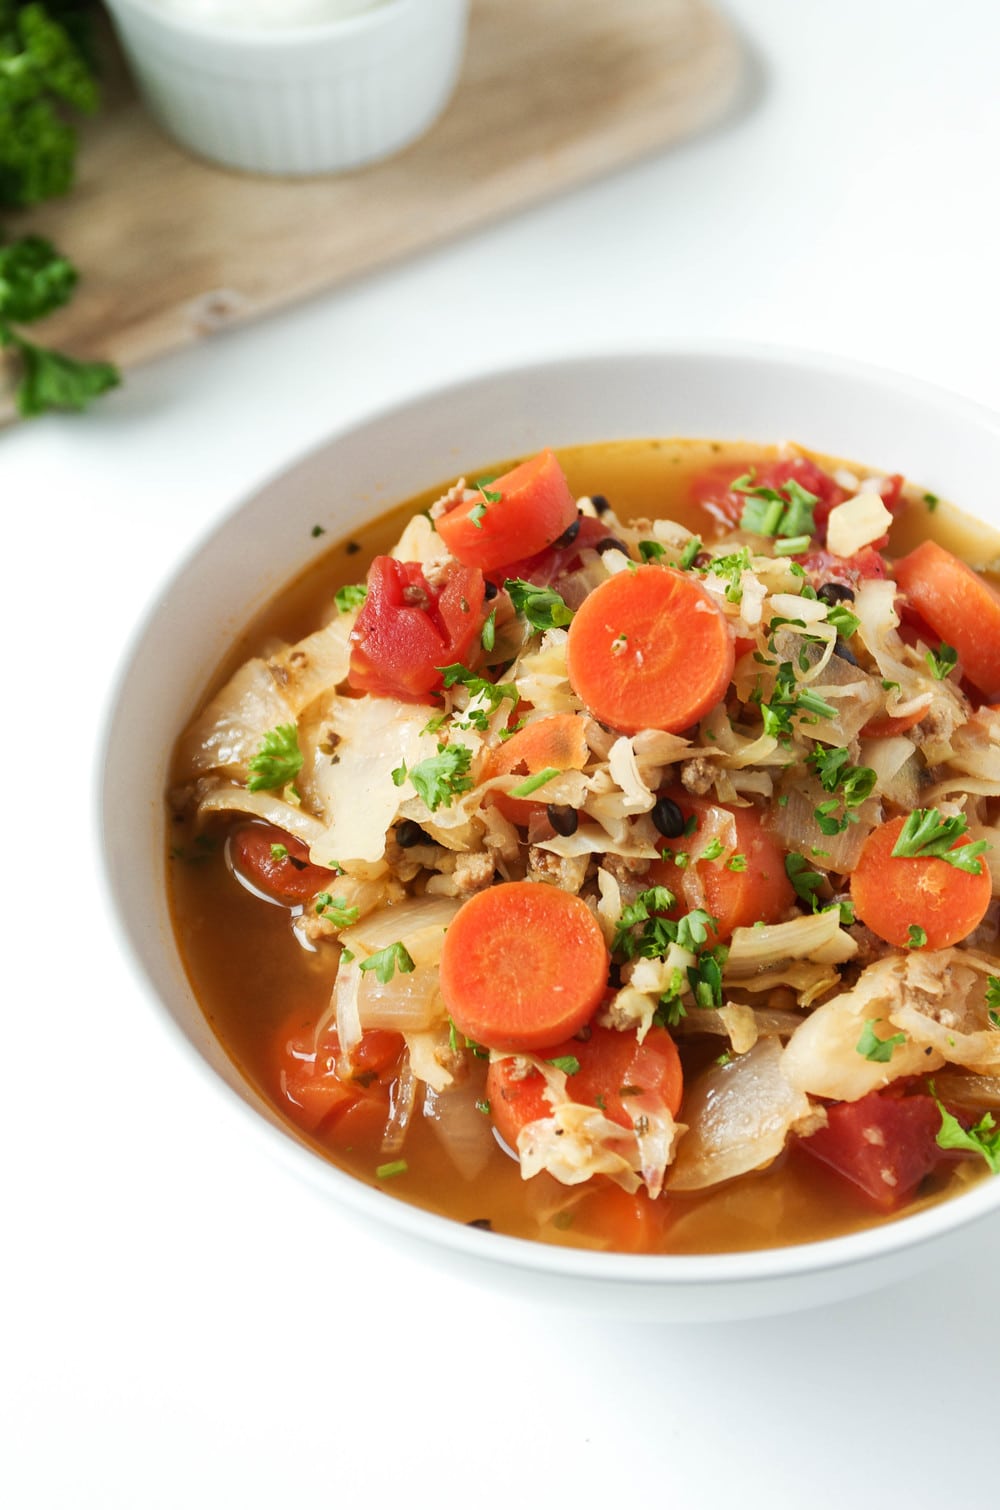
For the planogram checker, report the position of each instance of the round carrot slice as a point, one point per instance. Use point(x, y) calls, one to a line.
point(894, 893)
point(523, 966)
point(648, 649)
point(959, 606)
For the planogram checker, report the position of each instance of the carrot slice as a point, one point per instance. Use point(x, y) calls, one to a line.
point(523, 966)
point(959, 606)
point(613, 1066)
point(557, 742)
point(515, 515)
point(892, 893)
point(759, 893)
point(888, 727)
point(648, 649)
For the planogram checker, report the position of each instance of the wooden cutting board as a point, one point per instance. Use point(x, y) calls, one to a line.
point(552, 93)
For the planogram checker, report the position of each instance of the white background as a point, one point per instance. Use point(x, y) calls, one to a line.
point(183, 1324)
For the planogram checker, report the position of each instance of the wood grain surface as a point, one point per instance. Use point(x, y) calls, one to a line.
point(552, 93)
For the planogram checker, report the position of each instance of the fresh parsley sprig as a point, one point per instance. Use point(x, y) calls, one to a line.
point(943, 662)
point(983, 1139)
point(541, 606)
point(926, 834)
point(277, 762)
point(335, 910)
point(350, 597)
point(36, 280)
point(441, 777)
point(385, 962)
point(489, 695)
point(878, 1050)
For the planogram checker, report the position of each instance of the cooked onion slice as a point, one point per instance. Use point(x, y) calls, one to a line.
point(739, 1115)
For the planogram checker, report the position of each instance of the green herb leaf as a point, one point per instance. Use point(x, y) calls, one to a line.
point(541, 606)
point(42, 67)
point(943, 662)
point(568, 1063)
point(350, 597)
point(651, 550)
point(878, 1050)
point(335, 910)
point(441, 777)
point(488, 695)
point(49, 380)
point(993, 999)
point(488, 637)
point(690, 551)
point(385, 962)
point(916, 937)
point(836, 773)
point(805, 881)
point(277, 762)
point(787, 512)
point(926, 833)
point(983, 1139)
point(35, 279)
point(279, 851)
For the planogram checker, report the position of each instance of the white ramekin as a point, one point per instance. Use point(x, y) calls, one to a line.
point(315, 98)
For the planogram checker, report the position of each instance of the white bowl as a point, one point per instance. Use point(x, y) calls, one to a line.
point(948, 445)
point(319, 97)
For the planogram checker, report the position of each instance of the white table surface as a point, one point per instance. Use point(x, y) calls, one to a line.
point(185, 1325)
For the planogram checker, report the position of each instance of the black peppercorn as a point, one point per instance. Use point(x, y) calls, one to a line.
point(491, 590)
point(601, 504)
point(835, 592)
point(563, 819)
point(668, 818)
point(568, 535)
point(409, 833)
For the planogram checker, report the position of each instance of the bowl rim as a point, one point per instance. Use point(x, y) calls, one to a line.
point(893, 1237)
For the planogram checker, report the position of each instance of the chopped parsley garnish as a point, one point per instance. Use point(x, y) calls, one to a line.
point(541, 606)
point(705, 977)
point(690, 551)
point(279, 851)
point(387, 961)
point(983, 1139)
point(540, 778)
point(843, 620)
point(476, 514)
point(871, 1046)
point(925, 833)
point(932, 501)
point(943, 662)
point(439, 778)
point(277, 762)
point(489, 695)
point(713, 849)
point(827, 823)
point(731, 568)
point(916, 937)
point(335, 910)
point(692, 930)
point(736, 862)
point(651, 550)
point(568, 1063)
point(350, 597)
point(789, 698)
point(483, 1106)
point(488, 636)
point(855, 783)
point(993, 999)
point(805, 881)
point(768, 512)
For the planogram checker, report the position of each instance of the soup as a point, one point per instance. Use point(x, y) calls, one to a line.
point(603, 852)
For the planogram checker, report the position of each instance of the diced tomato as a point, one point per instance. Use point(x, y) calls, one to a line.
point(288, 879)
point(613, 1066)
point(884, 1143)
point(407, 629)
point(712, 490)
point(620, 1222)
point(822, 566)
point(518, 514)
point(320, 1095)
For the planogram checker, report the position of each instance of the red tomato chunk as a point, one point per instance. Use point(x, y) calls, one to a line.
point(884, 1143)
point(407, 629)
